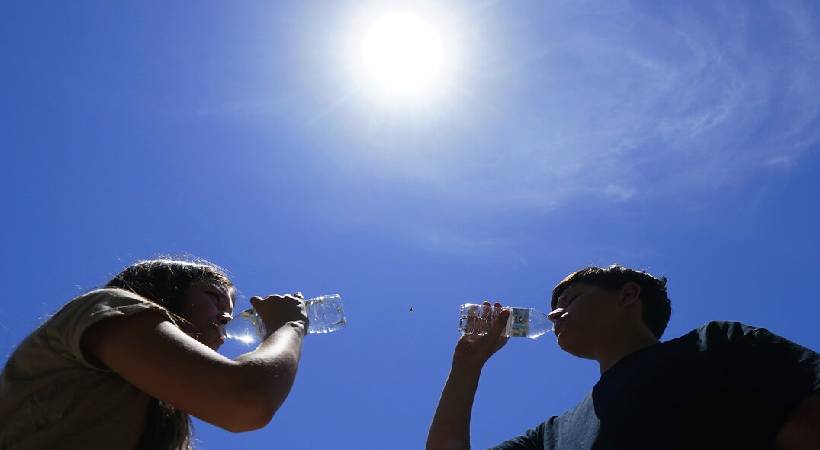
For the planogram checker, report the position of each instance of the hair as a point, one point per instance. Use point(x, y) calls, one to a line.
point(166, 281)
point(656, 307)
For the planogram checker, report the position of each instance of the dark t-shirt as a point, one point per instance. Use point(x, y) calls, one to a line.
point(723, 385)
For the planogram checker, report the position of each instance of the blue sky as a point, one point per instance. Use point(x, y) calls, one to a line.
point(678, 138)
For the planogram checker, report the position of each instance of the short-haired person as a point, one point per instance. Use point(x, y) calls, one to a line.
point(122, 367)
point(724, 385)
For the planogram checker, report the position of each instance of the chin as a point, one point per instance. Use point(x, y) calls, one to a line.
point(215, 344)
point(211, 341)
point(562, 342)
point(571, 347)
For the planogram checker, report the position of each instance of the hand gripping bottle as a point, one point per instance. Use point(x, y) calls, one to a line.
point(325, 315)
point(522, 322)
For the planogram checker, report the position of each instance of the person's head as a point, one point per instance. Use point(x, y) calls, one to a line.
point(197, 291)
point(201, 296)
point(595, 304)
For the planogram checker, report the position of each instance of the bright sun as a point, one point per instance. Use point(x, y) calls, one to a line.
point(403, 56)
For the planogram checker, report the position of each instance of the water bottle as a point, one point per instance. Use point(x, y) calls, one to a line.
point(325, 315)
point(522, 322)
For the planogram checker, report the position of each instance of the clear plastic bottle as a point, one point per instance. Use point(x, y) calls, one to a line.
point(325, 315)
point(522, 322)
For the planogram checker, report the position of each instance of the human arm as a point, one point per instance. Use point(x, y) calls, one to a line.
point(802, 429)
point(450, 429)
point(157, 357)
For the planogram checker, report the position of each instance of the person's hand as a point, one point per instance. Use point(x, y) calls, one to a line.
point(472, 350)
point(278, 310)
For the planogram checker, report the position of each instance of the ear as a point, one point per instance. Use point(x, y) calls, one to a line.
point(630, 294)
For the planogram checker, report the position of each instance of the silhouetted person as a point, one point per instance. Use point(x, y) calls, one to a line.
point(122, 367)
point(724, 385)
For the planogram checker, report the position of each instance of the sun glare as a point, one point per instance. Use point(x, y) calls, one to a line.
point(403, 57)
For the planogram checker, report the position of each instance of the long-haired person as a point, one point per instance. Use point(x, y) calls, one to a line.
point(122, 367)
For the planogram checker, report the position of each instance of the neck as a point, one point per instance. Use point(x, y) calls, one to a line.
point(623, 344)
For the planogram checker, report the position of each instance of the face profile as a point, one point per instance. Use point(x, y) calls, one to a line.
point(584, 317)
point(208, 307)
point(650, 394)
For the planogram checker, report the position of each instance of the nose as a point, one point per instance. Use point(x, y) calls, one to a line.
point(223, 319)
point(556, 314)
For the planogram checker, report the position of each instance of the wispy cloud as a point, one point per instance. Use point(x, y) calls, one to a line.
point(624, 102)
point(619, 193)
point(784, 162)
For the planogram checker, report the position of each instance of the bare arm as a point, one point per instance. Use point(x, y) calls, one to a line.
point(450, 429)
point(161, 360)
point(802, 429)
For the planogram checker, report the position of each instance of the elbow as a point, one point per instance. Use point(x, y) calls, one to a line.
point(249, 421)
point(251, 414)
point(257, 403)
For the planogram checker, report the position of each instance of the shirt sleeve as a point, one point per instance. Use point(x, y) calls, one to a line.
point(65, 329)
point(778, 373)
point(800, 365)
point(533, 439)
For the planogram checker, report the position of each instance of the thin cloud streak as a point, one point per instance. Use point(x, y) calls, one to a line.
point(628, 104)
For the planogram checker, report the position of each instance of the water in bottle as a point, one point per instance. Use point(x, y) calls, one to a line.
point(522, 322)
point(325, 315)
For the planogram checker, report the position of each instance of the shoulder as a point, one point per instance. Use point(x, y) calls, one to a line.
point(110, 296)
point(719, 336)
point(104, 303)
point(718, 332)
point(726, 327)
point(734, 337)
point(68, 326)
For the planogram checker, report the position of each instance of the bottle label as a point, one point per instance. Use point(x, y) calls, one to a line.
point(519, 323)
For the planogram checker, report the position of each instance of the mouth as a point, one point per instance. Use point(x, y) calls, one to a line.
point(219, 333)
point(216, 342)
point(220, 328)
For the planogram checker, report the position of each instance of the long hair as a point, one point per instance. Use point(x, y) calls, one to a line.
point(165, 281)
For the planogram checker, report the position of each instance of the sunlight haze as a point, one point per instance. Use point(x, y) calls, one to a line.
point(415, 156)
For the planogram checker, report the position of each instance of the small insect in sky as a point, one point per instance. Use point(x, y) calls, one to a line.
point(411, 308)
